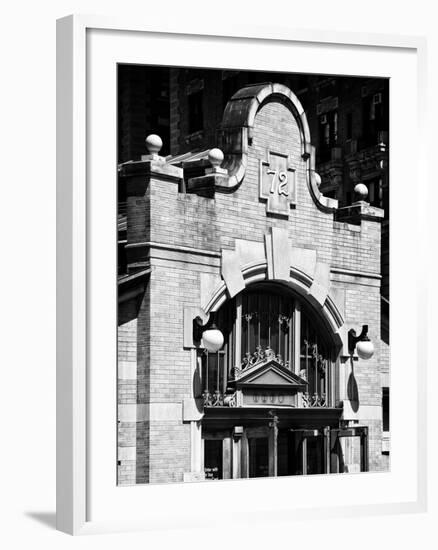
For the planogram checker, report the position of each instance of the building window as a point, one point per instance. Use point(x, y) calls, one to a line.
point(328, 134)
point(216, 368)
point(214, 376)
point(375, 118)
point(314, 361)
point(266, 321)
point(196, 111)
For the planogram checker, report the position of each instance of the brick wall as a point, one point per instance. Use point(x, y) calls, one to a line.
point(127, 395)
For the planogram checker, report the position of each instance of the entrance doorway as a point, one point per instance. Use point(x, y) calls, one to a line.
point(323, 451)
point(266, 451)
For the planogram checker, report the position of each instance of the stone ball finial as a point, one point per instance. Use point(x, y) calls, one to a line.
point(154, 144)
point(361, 191)
point(215, 157)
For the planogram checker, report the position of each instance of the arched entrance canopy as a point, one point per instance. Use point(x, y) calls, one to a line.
point(299, 283)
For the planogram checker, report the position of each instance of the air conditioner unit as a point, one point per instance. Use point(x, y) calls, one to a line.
point(377, 98)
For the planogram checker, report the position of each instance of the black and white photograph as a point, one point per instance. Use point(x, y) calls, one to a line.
point(219, 298)
point(253, 274)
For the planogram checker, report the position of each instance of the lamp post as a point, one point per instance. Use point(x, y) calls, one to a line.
point(208, 335)
point(362, 344)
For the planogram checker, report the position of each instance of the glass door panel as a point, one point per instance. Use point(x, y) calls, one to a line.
point(213, 452)
point(315, 455)
point(289, 462)
point(307, 452)
point(258, 448)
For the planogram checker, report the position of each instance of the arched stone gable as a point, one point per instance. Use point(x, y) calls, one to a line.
point(237, 133)
point(330, 311)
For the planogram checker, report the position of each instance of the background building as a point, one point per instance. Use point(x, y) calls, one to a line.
point(297, 269)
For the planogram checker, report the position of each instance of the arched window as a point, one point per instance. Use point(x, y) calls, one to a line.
point(268, 321)
point(316, 358)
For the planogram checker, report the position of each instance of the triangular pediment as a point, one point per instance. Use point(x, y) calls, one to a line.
point(270, 374)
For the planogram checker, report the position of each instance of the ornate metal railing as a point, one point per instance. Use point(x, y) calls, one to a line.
point(259, 356)
point(315, 400)
point(316, 397)
point(219, 399)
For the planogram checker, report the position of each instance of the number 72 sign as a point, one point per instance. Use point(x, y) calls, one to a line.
point(277, 184)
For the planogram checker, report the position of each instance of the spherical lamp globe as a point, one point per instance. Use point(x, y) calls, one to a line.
point(212, 340)
point(365, 349)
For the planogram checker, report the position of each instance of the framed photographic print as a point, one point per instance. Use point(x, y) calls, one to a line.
point(235, 278)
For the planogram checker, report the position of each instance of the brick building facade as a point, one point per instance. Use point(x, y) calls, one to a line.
point(250, 240)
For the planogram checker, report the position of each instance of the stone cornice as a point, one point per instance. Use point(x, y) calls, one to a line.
point(359, 211)
point(157, 169)
point(175, 248)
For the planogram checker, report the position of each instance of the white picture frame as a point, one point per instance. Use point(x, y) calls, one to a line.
point(79, 38)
